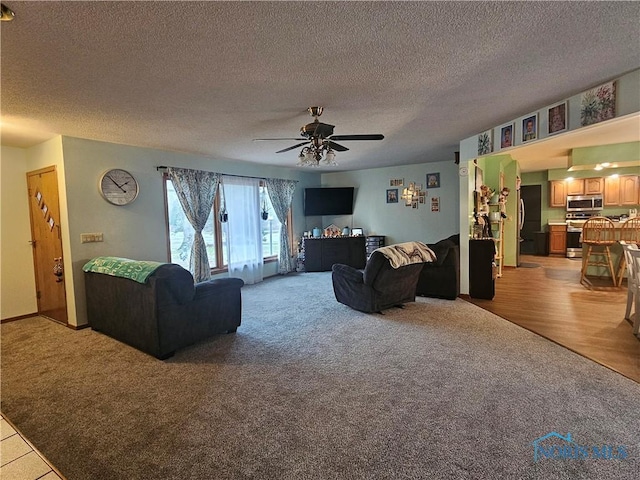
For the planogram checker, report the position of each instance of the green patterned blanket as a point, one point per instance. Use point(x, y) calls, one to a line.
point(122, 267)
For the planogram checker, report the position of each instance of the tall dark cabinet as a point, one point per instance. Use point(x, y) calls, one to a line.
point(481, 277)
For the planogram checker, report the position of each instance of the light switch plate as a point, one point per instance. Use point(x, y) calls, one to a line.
point(91, 237)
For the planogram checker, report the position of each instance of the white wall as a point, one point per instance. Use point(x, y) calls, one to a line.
point(395, 221)
point(17, 280)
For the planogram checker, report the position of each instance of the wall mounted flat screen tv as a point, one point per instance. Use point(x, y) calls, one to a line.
point(328, 201)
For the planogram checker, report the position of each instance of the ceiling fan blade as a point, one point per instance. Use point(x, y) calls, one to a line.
point(261, 139)
point(291, 148)
point(373, 136)
point(336, 147)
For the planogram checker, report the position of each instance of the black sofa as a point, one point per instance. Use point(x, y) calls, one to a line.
point(164, 314)
point(441, 279)
point(378, 287)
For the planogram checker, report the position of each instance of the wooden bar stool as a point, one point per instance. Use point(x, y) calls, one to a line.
point(598, 235)
point(632, 254)
point(629, 233)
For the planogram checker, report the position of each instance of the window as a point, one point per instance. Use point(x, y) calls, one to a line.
point(181, 232)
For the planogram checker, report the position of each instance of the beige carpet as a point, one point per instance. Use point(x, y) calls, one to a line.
point(310, 389)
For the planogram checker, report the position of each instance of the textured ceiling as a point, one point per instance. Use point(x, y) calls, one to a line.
point(208, 77)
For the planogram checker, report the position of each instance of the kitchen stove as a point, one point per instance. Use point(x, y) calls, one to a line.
point(575, 221)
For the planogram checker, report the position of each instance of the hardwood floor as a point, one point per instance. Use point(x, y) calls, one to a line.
point(545, 296)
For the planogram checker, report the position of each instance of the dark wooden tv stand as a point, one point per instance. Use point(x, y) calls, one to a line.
point(321, 253)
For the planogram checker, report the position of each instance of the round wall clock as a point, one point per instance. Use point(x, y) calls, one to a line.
point(118, 187)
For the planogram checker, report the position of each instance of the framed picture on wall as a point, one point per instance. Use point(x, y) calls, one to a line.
point(530, 128)
point(557, 116)
point(485, 144)
point(598, 104)
point(392, 195)
point(506, 136)
point(433, 180)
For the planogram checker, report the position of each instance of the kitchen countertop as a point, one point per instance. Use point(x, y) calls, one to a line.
point(617, 224)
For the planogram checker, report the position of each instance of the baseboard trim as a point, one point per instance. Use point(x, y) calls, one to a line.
point(36, 314)
point(19, 317)
point(78, 327)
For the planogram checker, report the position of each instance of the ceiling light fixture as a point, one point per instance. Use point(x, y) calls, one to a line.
point(6, 14)
point(316, 153)
point(319, 142)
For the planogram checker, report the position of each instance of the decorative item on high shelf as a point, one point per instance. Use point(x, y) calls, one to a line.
point(484, 142)
point(557, 116)
point(506, 136)
point(598, 104)
point(530, 128)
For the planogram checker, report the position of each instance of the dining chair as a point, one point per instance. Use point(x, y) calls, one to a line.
point(629, 233)
point(598, 235)
point(632, 254)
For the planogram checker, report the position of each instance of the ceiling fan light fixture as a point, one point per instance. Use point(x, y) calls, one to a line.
point(320, 143)
point(330, 158)
point(315, 111)
point(6, 14)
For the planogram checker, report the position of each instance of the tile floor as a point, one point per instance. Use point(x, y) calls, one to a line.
point(19, 460)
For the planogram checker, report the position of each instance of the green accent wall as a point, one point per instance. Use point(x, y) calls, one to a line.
point(624, 154)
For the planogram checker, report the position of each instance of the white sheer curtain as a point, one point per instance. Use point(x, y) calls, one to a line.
point(244, 238)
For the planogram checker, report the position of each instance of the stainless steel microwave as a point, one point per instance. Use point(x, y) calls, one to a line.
point(584, 203)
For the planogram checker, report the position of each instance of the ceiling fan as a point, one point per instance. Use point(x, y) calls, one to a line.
point(319, 142)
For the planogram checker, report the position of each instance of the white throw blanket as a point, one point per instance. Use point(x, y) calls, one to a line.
point(407, 253)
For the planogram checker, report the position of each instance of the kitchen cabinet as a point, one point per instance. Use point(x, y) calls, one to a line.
point(558, 193)
point(557, 240)
point(575, 186)
point(621, 190)
point(593, 185)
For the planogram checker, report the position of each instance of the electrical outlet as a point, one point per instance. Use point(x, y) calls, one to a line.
point(91, 237)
